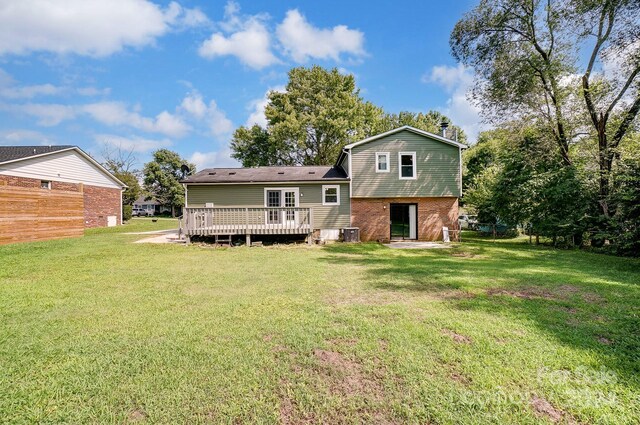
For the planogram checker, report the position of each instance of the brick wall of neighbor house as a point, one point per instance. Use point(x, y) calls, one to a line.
point(100, 202)
point(371, 215)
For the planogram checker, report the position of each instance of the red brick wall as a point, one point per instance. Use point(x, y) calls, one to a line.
point(99, 202)
point(371, 215)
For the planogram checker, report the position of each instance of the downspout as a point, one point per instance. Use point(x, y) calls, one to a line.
point(121, 210)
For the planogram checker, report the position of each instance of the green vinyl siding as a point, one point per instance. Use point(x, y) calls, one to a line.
point(252, 195)
point(438, 168)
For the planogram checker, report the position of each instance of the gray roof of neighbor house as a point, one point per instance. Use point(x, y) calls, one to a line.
point(268, 174)
point(143, 200)
point(11, 153)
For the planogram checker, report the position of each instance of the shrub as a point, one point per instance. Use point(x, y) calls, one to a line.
point(127, 212)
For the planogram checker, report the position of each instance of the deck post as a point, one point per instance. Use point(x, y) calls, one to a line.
point(188, 239)
point(248, 239)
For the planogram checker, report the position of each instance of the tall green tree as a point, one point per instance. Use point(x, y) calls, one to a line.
point(319, 113)
point(162, 177)
point(527, 53)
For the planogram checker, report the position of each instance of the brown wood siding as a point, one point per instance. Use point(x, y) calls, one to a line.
point(35, 214)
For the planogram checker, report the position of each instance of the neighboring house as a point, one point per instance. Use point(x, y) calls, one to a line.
point(49, 192)
point(402, 184)
point(143, 206)
point(149, 206)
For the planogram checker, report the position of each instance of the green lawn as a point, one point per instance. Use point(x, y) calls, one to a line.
point(100, 330)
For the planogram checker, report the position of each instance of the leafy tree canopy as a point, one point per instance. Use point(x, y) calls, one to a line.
point(162, 177)
point(319, 113)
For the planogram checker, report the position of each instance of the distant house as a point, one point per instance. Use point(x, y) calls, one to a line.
point(149, 206)
point(49, 192)
point(402, 184)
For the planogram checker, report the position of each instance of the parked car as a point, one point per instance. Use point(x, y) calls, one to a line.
point(139, 212)
point(468, 222)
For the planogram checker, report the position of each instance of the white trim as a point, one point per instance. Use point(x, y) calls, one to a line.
point(415, 166)
point(460, 166)
point(331, 186)
point(281, 189)
point(412, 129)
point(388, 156)
point(121, 208)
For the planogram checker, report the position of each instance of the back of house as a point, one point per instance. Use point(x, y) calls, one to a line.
point(403, 184)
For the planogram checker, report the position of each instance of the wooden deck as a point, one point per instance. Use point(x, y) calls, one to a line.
point(247, 221)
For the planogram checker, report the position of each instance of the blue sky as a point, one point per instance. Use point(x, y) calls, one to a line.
point(142, 74)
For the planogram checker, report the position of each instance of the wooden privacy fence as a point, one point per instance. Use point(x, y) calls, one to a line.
point(33, 214)
point(247, 221)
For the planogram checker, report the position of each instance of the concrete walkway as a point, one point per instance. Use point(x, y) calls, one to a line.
point(417, 245)
point(171, 237)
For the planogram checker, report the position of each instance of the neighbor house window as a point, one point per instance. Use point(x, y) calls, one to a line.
point(45, 184)
point(382, 162)
point(407, 161)
point(331, 195)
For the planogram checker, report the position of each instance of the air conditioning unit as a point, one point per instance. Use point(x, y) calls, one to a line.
point(351, 234)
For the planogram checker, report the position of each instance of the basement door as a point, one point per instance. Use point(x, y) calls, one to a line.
point(404, 221)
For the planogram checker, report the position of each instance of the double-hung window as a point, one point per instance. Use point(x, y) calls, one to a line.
point(382, 162)
point(331, 194)
point(407, 165)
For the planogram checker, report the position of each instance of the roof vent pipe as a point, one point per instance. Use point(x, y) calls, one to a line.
point(443, 128)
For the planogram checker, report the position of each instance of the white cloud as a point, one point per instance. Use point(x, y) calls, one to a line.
point(21, 136)
point(47, 115)
point(133, 143)
point(247, 38)
point(117, 113)
point(213, 159)
point(457, 82)
point(303, 41)
point(88, 27)
point(449, 77)
point(257, 107)
point(93, 91)
point(28, 92)
point(213, 117)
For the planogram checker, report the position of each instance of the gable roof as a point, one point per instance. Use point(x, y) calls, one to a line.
point(413, 130)
point(268, 175)
point(11, 154)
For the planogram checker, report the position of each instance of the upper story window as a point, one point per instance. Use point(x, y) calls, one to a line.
point(382, 162)
point(331, 195)
point(45, 184)
point(407, 162)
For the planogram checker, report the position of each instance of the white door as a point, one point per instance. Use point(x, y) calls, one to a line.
point(413, 234)
point(290, 200)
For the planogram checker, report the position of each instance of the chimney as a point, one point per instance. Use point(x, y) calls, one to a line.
point(443, 128)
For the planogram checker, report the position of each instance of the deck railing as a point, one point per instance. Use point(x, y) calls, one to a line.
point(247, 221)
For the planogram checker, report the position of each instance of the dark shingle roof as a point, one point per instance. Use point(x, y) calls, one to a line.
point(268, 174)
point(10, 153)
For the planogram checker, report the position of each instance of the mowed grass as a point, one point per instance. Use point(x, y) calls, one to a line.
point(101, 330)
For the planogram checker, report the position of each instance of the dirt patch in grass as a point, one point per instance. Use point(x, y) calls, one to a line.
point(544, 409)
point(461, 339)
point(136, 415)
point(529, 293)
point(605, 341)
point(345, 377)
point(460, 378)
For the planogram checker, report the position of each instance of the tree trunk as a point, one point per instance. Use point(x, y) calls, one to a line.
point(605, 162)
